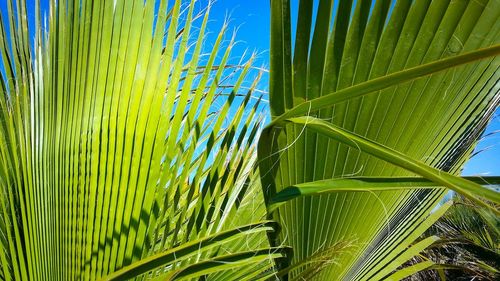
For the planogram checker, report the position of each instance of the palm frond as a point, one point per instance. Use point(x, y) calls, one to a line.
point(365, 77)
point(118, 144)
point(468, 244)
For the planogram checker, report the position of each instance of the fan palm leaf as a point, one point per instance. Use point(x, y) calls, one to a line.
point(374, 89)
point(119, 143)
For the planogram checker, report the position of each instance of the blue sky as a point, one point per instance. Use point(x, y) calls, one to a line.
point(487, 162)
point(251, 18)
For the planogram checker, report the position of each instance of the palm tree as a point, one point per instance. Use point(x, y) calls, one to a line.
point(469, 243)
point(125, 152)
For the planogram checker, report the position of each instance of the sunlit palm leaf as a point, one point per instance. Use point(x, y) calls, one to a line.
point(118, 142)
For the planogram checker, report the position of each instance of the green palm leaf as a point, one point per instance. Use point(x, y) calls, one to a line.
point(118, 142)
point(400, 76)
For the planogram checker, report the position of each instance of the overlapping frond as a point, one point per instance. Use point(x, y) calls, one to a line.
point(374, 76)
